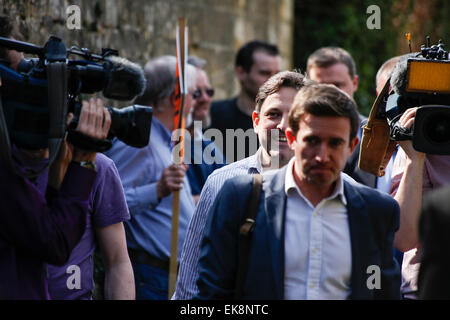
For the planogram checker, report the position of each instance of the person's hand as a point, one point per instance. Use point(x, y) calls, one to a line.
point(407, 120)
point(94, 122)
point(171, 180)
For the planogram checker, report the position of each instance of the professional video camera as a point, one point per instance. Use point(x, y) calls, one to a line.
point(422, 80)
point(37, 97)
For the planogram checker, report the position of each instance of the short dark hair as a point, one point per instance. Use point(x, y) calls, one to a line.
point(244, 57)
point(323, 100)
point(386, 69)
point(283, 79)
point(328, 56)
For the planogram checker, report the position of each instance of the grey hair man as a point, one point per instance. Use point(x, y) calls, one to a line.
point(149, 178)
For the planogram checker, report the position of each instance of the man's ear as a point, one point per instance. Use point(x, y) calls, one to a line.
point(355, 83)
point(172, 99)
point(240, 73)
point(353, 144)
point(255, 118)
point(290, 136)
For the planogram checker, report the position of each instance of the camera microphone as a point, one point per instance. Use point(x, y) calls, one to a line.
point(27, 93)
point(125, 79)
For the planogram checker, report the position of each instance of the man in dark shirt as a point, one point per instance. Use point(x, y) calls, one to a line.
point(256, 62)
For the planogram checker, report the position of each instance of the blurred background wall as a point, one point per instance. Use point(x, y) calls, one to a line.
point(143, 29)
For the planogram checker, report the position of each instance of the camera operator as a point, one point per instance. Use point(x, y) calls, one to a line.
point(414, 174)
point(39, 228)
point(43, 227)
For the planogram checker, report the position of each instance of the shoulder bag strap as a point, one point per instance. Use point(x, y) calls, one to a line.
point(245, 237)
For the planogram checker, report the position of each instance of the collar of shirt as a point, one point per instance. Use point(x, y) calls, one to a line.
point(254, 163)
point(159, 128)
point(290, 184)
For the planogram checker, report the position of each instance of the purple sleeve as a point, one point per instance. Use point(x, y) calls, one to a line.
point(45, 230)
point(108, 198)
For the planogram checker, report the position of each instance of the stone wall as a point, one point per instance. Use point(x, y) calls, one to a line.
point(142, 29)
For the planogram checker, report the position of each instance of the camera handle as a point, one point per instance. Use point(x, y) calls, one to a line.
point(87, 143)
point(398, 132)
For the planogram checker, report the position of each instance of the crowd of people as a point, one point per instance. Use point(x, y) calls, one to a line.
point(320, 222)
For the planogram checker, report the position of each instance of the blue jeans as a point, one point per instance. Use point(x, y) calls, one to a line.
point(152, 283)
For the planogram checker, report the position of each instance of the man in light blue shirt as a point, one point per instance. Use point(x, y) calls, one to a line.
point(149, 177)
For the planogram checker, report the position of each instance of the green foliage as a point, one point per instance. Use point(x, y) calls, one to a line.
point(344, 24)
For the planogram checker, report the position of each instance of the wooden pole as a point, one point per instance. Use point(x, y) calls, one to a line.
point(179, 123)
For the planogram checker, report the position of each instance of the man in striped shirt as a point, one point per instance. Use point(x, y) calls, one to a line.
point(273, 103)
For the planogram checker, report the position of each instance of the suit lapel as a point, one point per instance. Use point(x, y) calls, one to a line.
point(360, 233)
point(359, 225)
point(274, 205)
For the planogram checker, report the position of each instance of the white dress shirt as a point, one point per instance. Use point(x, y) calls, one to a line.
point(317, 244)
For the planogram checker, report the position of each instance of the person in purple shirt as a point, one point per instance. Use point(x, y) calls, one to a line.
point(36, 227)
point(107, 211)
point(43, 227)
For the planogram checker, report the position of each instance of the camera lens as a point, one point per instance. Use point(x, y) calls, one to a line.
point(131, 124)
point(437, 128)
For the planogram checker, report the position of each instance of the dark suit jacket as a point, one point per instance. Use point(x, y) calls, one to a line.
point(434, 232)
point(373, 220)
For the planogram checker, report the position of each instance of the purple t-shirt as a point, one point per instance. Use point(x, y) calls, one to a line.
point(38, 226)
point(107, 206)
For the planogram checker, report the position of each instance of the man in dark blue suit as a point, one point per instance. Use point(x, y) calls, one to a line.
point(318, 234)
